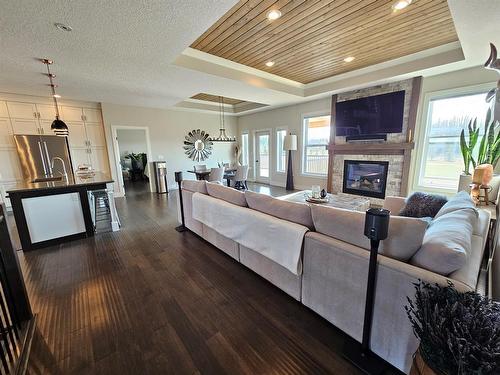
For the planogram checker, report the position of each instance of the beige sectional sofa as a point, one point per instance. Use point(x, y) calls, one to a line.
point(334, 262)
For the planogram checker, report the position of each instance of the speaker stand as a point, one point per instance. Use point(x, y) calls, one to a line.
point(358, 354)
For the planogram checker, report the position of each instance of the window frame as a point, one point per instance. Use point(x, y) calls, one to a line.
point(247, 149)
point(423, 130)
point(304, 144)
point(278, 152)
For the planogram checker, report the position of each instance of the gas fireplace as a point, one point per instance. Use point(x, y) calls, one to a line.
point(367, 178)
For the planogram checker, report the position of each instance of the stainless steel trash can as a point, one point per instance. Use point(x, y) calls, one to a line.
point(160, 168)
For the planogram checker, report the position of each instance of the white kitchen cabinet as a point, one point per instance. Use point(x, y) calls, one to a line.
point(77, 134)
point(46, 112)
point(45, 127)
point(10, 168)
point(71, 114)
point(92, 115)
point(30, 118)
point(80, 156)
point(95, 134)
point(3, 109)
point(6, 138)
point(99, 159)
point(24, 111)
point(25, 126)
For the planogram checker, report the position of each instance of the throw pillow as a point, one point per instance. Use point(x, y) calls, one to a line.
point(422, 205)
point(447, 242)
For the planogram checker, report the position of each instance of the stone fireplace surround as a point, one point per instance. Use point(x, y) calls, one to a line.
point(396, 150)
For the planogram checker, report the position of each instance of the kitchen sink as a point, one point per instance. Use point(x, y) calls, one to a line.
point(47, 179)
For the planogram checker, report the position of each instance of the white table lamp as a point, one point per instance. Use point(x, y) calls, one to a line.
point(289, 144)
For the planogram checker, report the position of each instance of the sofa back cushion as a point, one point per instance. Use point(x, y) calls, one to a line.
point(226, 193)
point(460, 201)
point(195, 186)
point(405, 233)
point(299, 213)
point(447, 242)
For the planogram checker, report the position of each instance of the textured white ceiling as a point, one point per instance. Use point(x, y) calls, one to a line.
point(118, 51)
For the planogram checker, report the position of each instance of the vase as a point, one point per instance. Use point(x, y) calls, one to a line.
point(419, 367)
point(464, 182)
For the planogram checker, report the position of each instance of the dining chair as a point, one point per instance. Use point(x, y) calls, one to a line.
point(240, 177)
point(216, 175)
point(200, 167)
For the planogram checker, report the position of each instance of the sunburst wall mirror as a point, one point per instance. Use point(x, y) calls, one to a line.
point(197, 145)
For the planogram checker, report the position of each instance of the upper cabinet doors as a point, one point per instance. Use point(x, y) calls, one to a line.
point(92, 115)
point(31, 118)
point(95, 134)
point(25, 111)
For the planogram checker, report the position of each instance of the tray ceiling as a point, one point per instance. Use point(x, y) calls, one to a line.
point(215, 98)
point(312, 38)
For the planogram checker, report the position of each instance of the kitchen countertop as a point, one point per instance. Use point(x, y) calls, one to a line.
point(97, 179)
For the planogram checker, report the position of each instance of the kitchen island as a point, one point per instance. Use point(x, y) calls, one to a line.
point(52, 212)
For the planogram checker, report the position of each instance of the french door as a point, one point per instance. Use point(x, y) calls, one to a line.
point(262, 156)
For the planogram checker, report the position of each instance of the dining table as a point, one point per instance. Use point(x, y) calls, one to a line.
point(204, 173)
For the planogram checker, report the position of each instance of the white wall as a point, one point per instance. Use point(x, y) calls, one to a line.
point(167, 129)
point(289, 118)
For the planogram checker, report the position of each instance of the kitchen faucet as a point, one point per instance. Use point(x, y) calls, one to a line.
point(65, 174)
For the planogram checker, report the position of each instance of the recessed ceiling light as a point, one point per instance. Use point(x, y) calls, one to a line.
point(270, 64)
point(63, 27)
point(349, 58)
point(401, 4)
point(273, 14)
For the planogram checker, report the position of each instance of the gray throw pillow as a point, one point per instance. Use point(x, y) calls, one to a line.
point(423, 205)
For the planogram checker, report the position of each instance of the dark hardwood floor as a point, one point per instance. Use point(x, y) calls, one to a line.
point(150, 300)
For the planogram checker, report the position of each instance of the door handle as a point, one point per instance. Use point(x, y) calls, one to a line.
point(256, 161)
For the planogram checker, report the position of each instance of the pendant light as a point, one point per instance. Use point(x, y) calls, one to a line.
point(222, 130)
point(58, 126)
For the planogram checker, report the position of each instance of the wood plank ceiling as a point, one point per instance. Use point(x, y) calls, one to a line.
point(214, 98)
point(312, 38)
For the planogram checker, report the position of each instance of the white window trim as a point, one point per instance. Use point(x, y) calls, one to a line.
point(320, 176)
point(422, 131)
point(276, 130)
point(245, 132)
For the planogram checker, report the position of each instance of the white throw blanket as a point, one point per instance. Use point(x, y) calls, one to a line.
point(276, 239)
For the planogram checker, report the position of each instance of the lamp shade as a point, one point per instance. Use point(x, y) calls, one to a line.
point(59, 127)
point(290, 142)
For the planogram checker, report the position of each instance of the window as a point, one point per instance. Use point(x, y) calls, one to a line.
point(244, 149)
point(442, 163)
point(316, 138)
point(280, 153)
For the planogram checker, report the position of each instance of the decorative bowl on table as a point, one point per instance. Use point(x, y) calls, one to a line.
point(309, 198)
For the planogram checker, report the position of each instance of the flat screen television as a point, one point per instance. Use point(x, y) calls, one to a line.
point(373, 115)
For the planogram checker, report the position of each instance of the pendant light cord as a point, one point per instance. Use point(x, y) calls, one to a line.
point(52, 86)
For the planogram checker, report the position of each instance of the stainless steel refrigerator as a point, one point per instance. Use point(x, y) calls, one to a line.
point(43, 156)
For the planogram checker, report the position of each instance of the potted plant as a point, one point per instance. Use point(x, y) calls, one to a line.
point(488, 152)
point(459, 332)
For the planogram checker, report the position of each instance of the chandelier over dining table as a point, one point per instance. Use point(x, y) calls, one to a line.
point(223, 137)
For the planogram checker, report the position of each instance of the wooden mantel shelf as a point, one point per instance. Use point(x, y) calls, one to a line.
point(371, 148)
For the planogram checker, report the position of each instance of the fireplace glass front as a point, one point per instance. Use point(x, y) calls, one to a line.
point(367, 178)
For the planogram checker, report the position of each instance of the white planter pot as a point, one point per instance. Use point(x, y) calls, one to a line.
point(464, 182)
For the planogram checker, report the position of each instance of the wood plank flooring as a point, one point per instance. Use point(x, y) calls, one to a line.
point(149, 300)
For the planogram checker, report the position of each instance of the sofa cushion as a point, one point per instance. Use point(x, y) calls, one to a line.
point(227, 194)
point(405, 233)
point(447, 242)
point(299, 213)
point(195, 186)
point(460, 201)
point(422, 205)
